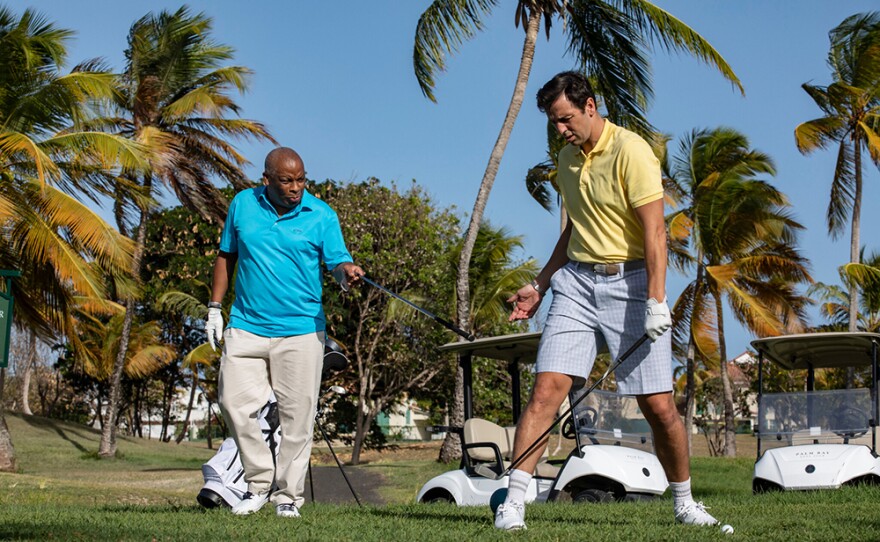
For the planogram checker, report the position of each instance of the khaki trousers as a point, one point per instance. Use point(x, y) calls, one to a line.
point(251, 367)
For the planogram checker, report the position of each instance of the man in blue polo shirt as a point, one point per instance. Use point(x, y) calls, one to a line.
point(278, 234)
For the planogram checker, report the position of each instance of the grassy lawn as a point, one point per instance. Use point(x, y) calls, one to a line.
point(62, 493)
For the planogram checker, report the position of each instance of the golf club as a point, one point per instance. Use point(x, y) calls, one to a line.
point(445, 323)
point(486, 471)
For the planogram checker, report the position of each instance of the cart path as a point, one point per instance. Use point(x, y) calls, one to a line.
point(330, 486)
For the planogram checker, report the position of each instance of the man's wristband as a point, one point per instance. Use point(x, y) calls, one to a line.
point(536, 286)
point(214, 305)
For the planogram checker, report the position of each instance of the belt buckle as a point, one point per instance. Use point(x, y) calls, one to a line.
point(606, 268)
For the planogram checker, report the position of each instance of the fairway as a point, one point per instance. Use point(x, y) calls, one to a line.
point(62, 493)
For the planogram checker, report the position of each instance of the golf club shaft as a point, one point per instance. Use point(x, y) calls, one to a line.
point(537, 442)
point(445, 323)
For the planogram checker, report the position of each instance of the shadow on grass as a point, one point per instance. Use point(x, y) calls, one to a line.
point(53, 425)
point(428, 512)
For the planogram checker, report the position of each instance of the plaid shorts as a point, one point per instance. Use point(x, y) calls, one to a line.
point(592, 310)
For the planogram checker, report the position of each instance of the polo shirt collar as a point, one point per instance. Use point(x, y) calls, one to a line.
point(604, 140)
point(305, 204)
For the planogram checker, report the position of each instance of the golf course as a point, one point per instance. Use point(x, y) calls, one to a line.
point(61, 492)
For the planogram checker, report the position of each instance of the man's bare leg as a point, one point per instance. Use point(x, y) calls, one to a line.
point(549, 392)
point(671, 445)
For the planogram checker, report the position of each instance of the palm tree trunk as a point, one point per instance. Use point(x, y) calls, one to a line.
point(854, 242)
point(727, 389)
point(462, 284)
point(7, 450)
point(451, 449)
point(690, 393)
point(189, 407)
point(108, 434)
point(26, 376)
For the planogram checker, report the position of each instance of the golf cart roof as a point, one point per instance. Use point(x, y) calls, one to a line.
point(818, 350)
point(517, 346)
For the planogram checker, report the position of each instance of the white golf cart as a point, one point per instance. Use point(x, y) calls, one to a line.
point(612, 459)
point(817, 439)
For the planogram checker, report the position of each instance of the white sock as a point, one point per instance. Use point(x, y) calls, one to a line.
point(681, 493)
point(517, 486)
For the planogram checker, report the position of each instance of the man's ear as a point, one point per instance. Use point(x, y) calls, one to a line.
point(265, 180)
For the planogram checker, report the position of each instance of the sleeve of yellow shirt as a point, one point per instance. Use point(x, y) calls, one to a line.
point(641, 170)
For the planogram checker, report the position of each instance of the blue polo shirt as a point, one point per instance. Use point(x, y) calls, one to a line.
point(278, 282)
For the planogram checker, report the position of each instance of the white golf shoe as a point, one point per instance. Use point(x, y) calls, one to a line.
point(694, 513)
point(287, 510)
point(250, 503)
point(510, 516)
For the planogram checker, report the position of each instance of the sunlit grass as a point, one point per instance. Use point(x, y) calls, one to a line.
point(61, 493)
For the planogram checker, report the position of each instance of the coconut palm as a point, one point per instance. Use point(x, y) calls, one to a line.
point(176, 99)
point(850, 121)
point(607, 38)
point(834, 300)
point(47, 154)
point(736, 231)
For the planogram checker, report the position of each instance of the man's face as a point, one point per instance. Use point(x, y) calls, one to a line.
point(575, 124)
point(285, 184)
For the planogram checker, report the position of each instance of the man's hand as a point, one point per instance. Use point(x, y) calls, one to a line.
point(525, 303)
point(347, 274)
point(657, 318)
point(214, 327)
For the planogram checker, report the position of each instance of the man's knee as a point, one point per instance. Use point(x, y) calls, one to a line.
point(660, 410)
point(549, 391)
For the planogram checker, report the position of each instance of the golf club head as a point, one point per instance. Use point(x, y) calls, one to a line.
point(334, 360)
point(485, 471)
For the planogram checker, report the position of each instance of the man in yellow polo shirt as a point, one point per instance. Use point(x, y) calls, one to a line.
point(608, 275)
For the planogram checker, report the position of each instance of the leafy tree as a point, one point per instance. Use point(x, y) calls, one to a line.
point(175, 98)
point(851, 117)
point(834, 300)
point(608, 38)
point(736, 231)
point(401, 240)
point(61, 247)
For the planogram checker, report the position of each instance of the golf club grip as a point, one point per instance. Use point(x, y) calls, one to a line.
point(452, 327)
point(615, 365)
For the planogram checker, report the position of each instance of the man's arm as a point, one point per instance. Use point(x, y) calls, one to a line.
point(224, 268)
point(527, 298)
point(651, 217)
point(657, 316)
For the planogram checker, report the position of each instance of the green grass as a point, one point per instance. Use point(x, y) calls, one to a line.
point(62, 493)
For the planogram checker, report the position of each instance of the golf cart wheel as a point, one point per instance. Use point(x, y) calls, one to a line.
point(438, 496)
point(593, 496)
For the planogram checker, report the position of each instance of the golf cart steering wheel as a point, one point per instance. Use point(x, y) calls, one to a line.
point(850, 417)
point(586, 421)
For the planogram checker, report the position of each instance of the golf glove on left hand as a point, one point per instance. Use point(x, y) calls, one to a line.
point(657, 318)
point(214, 327)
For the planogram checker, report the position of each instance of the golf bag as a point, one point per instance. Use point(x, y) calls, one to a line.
point(224, 475)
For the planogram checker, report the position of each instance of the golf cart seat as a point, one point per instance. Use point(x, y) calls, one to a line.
point(485, 441)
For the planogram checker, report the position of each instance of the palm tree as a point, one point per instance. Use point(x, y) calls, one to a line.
point(175, 99)
point(608, 39)
point(834, 300)
point(851, 109)
point(60, 246)
point(737, 232)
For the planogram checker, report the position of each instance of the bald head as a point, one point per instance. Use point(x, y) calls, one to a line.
point(280, 158)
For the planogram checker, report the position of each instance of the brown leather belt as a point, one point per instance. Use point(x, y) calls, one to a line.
point(611, 268)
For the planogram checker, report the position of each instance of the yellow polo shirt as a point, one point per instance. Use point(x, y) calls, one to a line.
point(600, 190)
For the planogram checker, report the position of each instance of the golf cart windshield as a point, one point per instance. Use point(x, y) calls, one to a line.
point(605, 417)
point(817, 417)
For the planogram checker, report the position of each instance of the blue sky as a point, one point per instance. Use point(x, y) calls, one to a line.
point(335, 81)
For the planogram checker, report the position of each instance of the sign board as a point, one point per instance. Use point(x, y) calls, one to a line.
point(5, 328)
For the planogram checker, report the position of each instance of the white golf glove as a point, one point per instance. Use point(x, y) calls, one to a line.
point(657, 318)
point(214, 327)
